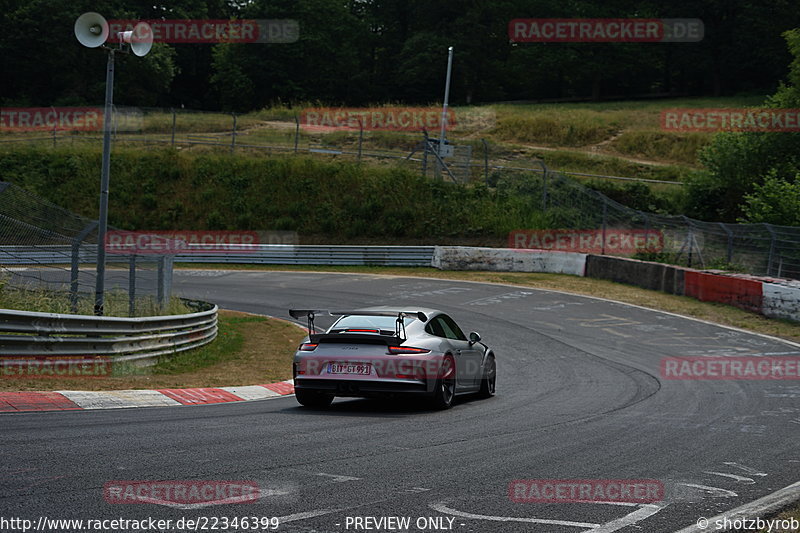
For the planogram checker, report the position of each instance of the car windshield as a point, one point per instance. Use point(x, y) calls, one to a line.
point(369, 322)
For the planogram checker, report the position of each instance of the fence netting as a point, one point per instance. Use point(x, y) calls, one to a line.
point(557, 200)
point(48, 261)
point(758, 249)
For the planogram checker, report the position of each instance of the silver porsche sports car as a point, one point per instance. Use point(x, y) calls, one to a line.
point(391, 352)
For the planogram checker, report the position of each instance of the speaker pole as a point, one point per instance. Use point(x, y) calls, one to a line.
point(99, 296)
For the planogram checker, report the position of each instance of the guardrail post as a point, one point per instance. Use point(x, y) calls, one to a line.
point(75, 262)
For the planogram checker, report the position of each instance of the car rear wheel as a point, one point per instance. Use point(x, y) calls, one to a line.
point(489, 381)
point(446, 384)
point(310, 398)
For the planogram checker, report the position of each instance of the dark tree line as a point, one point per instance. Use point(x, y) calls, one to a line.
point(359, 52)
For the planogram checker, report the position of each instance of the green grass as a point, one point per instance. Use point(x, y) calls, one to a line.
point(228, 343)
point(115, 302)
point(662, 146)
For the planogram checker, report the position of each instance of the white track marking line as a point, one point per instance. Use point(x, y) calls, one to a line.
point(747, 469)
point(446, 510)
point(757, 508)
point(305, 515)
point(715, 491)
point(740, 479)
point(645, 511)
point(337, 478)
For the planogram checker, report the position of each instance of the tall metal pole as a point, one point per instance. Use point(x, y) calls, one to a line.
point(99, 297)
point(446, 100)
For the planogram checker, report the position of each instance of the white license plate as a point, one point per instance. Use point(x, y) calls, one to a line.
point(362, 369)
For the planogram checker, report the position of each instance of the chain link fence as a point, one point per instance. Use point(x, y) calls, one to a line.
point(283, 131)
point(758, 249)
point(48, 261)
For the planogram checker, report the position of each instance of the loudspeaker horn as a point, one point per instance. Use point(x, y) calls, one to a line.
point(140, 39)
point(91, 29)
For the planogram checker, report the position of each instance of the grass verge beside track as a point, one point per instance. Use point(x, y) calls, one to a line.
point(250, 350)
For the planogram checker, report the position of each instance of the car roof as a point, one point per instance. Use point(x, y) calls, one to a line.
point(429, 312)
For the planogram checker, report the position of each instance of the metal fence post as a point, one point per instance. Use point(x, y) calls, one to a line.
point(75, 264)
point(360, 138)
point(425, 155)
point(132, 286)
point(605, 217)
point(55, 123)
point(233, 134)
point(729, 252)
point(485, 161)
point(771, 256)
point(692, 241)
point(160, 281)
point(164, 292)
point(174, 120)
point(296, 132)
point(544, 182)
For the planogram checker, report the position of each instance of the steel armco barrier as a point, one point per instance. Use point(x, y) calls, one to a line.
point(141, 339)
point(276, 254)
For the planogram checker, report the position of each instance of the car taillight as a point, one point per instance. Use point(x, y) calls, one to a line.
point(361, 330)
point(308, 346)
point(407, 350)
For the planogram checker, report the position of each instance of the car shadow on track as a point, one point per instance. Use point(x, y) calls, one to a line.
point(379, 407)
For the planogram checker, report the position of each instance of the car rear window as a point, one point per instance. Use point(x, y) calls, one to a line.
point(368, 322)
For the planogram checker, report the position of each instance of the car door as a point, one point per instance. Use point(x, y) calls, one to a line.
point(468, 357)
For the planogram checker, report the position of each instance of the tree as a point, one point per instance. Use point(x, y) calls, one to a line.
point(776, 201)
point(738, 162)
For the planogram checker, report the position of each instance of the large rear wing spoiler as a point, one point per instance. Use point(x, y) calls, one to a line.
point(400, 327)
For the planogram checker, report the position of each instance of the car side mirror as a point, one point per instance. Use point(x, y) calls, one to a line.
point(474, 337)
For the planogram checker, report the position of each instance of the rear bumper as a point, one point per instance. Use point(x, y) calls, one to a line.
point(362, 388)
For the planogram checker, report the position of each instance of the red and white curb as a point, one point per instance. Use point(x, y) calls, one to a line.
point(13, 402)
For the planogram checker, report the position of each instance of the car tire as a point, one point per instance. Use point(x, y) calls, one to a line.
point(310, 398)
point(489, 381)
point(445, 388)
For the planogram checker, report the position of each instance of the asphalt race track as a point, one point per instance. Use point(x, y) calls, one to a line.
point(579, 397)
